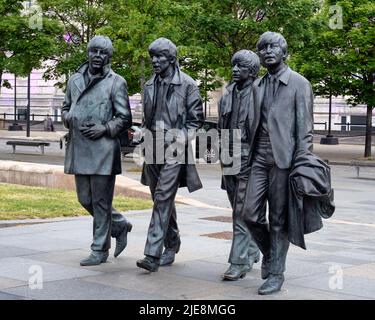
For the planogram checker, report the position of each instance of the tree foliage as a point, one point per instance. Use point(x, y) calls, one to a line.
point(220, 28)
point(22, 47)
point(339, 58)
point(206, 32)
point(338, 61)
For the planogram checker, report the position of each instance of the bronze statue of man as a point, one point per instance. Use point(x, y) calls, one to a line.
point(96, 110)
point(282, 124)
point(234, 110)
point(171, 103)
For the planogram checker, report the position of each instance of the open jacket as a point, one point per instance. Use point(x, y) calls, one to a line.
point(290, 118)
point(104, 100)
point(185, 108)
point(225, 106)
point(310, 196)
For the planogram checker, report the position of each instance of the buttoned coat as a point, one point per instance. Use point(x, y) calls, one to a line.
point(185, 108)
point(290, 117)
point(104, 100)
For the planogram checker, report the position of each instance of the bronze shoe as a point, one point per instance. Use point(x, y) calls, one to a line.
point(273, 284)
point(95, 258)
point(122, 239)
point(235, 272)
point(149, 263)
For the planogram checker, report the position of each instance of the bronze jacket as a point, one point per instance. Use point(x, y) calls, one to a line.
point(105, 100)
point(225, 106)
point(311, 196)
point(290, 118)
point(185, 108)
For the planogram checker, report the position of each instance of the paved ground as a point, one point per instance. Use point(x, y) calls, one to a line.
point(339, 262)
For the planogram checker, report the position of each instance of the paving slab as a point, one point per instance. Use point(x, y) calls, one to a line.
point(12, 251)
point(10, 283)
point(23, 269)
point(8, 296)
point(164, 284)
point(74, 289)
point(358, 286)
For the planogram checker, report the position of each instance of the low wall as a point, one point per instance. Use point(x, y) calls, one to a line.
point(52, 176)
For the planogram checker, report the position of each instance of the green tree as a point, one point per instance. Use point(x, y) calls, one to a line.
point(79, 21)
point(132, 26)
point(340, 56)
point(220, 28)
point(24, 46)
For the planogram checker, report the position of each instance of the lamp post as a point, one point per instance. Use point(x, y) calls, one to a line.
point(28, 107)
point(15, 126)
point(329, 138)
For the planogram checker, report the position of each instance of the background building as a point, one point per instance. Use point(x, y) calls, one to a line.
point(47, 99)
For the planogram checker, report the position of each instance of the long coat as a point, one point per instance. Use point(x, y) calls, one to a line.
point(104, 100)
point(185, 108)
point(290, 118)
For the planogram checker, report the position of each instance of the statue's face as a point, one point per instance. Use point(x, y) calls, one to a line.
point(98, 58)
point(160, 63)
point(240, 72)
point(271, 54)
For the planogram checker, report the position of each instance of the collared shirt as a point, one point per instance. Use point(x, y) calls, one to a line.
point(271, 85)
point(90, 77)
point(161, 113)
point(239, 108)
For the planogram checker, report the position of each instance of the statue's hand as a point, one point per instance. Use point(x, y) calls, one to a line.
point(68, 119)
point(93, 131)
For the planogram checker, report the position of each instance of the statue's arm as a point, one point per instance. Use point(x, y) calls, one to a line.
point(122, 119)
point(219, 107)
point(304, 117)
point(194, 110)
point(65, 117)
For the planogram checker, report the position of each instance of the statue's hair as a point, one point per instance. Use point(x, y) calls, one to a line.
point(164, 46)
point(103, 42)
point(274, 37)
point(249, 59)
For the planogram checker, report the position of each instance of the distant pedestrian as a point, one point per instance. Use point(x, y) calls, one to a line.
point(48, 123)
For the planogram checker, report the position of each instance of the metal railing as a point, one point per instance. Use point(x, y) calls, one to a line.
point(22, 116)
point(324, 123)
point(57, 118)
point(348, 125)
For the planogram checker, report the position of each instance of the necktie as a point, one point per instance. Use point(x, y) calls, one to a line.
point(273, 86)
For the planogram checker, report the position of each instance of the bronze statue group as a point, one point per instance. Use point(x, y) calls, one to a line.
point(277, 169)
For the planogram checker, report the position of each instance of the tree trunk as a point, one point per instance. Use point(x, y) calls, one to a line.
point(143, 78)
point(368, 131)
point(1, 79)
